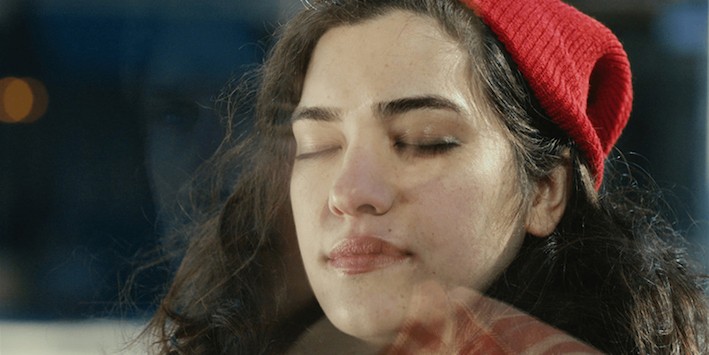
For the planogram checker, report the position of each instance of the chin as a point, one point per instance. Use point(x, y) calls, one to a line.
point(373, 335)
point(373, 326)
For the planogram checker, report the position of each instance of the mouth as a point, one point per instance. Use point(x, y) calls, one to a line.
point(361, 255)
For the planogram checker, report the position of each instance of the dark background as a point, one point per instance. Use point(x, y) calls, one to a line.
point(131, 86)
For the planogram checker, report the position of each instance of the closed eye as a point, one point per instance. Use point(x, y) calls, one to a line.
point(427, 148)
point(316, 153)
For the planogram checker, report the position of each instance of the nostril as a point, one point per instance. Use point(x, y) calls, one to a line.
point(334, 209)
point(356, 202)
point(368, 209)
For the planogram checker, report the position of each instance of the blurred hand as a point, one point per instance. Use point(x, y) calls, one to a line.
point(464, 321)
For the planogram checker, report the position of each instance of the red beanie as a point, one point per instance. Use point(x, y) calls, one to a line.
point(575, 66)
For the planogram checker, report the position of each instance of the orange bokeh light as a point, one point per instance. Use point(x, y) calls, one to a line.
point(22, 100)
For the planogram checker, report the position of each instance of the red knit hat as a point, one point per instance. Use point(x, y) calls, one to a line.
point(575, 66)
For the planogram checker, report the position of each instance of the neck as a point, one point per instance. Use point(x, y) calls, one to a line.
point(323, 338)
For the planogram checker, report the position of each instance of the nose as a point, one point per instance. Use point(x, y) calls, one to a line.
point(363, 185)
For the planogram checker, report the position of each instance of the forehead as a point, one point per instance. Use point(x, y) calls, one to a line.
point(390, 56)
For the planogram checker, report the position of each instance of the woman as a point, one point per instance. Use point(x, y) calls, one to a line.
point(410, 155)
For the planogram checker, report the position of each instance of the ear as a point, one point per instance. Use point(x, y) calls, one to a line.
point(549, 201)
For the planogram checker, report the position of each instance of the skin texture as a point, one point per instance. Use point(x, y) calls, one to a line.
point(433, 178)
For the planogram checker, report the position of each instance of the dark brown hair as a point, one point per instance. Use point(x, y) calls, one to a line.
point(610, 274)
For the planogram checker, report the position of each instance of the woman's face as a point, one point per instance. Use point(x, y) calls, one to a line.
point(401, 175)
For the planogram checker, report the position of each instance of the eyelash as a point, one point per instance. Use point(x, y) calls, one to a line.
point(419, 149)
point(428, 148)
point(304, 156)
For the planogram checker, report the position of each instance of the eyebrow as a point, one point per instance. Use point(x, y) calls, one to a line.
point(406, 104)
point(315, 113)
point(384, 109)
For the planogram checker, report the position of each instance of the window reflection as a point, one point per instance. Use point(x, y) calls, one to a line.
point(130, 116)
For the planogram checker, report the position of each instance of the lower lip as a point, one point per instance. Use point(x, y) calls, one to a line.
point(360, 264)
point(365, 254)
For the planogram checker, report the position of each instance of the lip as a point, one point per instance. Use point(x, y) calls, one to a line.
point(358, 255)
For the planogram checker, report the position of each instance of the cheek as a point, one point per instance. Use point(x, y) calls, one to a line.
point(308, 201)
point(471, 224)
point(303, 191)
point(299, 207)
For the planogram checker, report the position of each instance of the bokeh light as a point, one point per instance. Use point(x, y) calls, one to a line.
point(22, 100)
